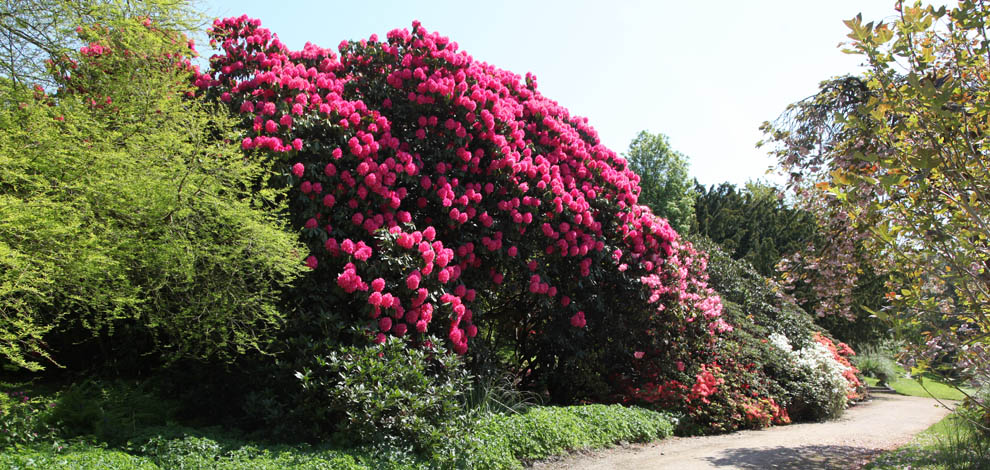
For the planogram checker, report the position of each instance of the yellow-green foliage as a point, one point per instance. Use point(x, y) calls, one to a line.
point(140, 209)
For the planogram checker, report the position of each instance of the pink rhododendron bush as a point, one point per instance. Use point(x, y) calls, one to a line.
point(448, 203)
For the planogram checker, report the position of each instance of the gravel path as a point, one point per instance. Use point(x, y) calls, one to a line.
point(884, 422)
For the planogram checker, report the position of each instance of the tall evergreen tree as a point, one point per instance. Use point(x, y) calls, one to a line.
point(753, 223)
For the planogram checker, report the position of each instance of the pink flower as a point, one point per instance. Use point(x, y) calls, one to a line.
point(378, 284)
point(406, 241)
point(363, 252)
point(311, 262)
point(639, 354)
point(578, 321)
point(298, 170)
point(456, 335)
point(412, 282)
point(385, 323)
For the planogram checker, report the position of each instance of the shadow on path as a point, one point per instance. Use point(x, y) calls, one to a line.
point(824, 457)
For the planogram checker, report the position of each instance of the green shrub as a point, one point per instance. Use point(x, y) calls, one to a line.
point(193, 453)
point(877, 365)
point(24, 419)
point(156, 223)
point(494, 442)
point(222, 453)
point(386, 390)
point(111, 412)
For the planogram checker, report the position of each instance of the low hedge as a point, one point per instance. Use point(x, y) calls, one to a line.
point(505, 441)
point(496, 442)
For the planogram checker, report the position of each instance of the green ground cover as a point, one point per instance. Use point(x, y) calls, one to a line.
point(50, 439)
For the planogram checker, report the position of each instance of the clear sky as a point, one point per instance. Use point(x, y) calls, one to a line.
point(705, 73)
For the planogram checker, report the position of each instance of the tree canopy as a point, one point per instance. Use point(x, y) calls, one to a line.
point(754, 223)
point(899, 158)
point(663, 179)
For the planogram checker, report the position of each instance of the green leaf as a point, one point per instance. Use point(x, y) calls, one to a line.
point(889, 181)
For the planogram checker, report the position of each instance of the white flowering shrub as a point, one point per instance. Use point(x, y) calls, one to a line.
point(817, 385)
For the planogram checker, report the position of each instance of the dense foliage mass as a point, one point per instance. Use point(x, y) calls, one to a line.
point(130, 419)
point(754, 223)
point(757, 223)
point(125, 216)
point(762, 382)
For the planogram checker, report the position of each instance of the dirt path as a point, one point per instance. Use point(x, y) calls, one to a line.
point(885, 422)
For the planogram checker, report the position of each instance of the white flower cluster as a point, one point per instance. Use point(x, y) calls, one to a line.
point(819, 359)
point(821, 366)
point(781, 342)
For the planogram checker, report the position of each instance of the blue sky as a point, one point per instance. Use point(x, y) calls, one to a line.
point(706, 74)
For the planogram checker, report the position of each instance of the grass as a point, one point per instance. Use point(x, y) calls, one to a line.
point(906, 386)
point(950, 444)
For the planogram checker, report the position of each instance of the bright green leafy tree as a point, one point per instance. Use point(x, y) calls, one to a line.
point(129, 219)
point(663, 175)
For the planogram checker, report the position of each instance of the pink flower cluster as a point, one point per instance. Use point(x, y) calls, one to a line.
point(472, 173)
